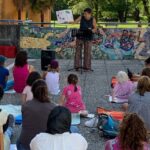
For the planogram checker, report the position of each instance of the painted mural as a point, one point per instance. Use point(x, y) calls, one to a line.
point(107, 43)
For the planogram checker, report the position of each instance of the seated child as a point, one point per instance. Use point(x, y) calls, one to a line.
point(52, 78)
point(27, 93)
point(4, 73)
point(6, 127)
point(124, 88)
point(72, 96)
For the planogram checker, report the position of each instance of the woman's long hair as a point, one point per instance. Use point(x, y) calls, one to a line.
point(21, 59)
point(73, 79)
point(59, 121)
point(40, 91)
point(143, 85)
point(132, 133)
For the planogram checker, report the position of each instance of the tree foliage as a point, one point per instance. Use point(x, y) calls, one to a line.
point(41, 6)
point(121, 9)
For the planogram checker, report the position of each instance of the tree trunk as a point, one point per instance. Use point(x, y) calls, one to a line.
point(42, 18)
point(96, 11)
point(19, 14)
point(146, 9)
point(121, 16)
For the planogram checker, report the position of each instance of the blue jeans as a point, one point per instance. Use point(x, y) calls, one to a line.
point(74, 129)
point(9, 85)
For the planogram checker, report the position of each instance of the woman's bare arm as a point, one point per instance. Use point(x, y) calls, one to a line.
point(62, 100)
point(94, 26)
point(24, 96)
point(76, 21)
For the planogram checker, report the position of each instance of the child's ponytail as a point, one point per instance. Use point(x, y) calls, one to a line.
point(75, 88)
point(73, 79)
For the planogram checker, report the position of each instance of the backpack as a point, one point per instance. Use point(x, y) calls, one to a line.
point(108, 125)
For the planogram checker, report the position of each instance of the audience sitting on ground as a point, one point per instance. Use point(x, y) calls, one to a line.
point(58, 135)
point(52, 78)
point(6, 127)
point(21, 71)
point(135, 77)
point(123, 88)
point(139, 102)
point(35, 114)
point(4, 73)
point(132, 136)
point(27, 93)
point(72, 96)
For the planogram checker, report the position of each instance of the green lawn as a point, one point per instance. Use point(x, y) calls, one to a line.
point(109, 25)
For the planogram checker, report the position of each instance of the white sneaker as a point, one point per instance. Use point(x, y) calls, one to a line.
point(92, 123)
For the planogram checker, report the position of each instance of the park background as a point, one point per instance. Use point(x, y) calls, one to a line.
point(123, 27)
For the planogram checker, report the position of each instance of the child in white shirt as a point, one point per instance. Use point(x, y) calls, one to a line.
point(52, 78)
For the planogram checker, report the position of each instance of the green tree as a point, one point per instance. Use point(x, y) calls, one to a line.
point(116, 6)
point(59, 5)
point(121, 7)
point(41, 6)
point(146, 4)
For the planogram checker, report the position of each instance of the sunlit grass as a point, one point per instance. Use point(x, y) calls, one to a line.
point(131, 24)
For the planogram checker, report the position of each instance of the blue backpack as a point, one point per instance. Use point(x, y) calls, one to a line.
point(108, 126)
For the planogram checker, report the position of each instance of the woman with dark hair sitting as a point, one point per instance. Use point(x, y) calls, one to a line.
point(35, 114)
point(132, 136)
point(21, 71)
point(58, 136)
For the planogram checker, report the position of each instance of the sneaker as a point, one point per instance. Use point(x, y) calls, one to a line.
point(92, 123)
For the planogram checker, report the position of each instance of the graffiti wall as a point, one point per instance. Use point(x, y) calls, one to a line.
point(107, 43)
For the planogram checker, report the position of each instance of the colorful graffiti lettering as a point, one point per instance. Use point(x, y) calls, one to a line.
point(107, 43)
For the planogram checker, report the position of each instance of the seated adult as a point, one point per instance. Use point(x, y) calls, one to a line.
point(6, 127)
point(123, 88)
point(21, 71)
point(35, 114)
point(58, 135)
point(147, 62)
point(146, 72)
point(139, 102)
point(132, 136)
point(135, 77)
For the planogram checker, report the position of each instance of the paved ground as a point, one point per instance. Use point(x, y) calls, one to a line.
point(94, 84)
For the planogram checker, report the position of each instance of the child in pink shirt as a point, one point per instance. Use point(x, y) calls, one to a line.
point(72, 96)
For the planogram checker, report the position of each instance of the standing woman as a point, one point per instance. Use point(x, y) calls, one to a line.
point(87, 27)
point(21, 71)
point(35, 114)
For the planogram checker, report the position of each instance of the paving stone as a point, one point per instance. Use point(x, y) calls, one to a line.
point(94, 86)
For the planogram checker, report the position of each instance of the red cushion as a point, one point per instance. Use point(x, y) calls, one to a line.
point(8, 51)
